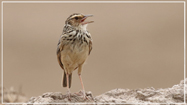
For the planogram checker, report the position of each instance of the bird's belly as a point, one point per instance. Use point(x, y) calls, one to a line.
point(73, 56)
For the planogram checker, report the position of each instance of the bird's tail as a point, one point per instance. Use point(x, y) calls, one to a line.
point(65, 80)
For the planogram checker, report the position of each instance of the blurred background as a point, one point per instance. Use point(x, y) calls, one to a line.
point(135, 45)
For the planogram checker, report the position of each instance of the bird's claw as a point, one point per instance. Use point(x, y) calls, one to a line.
point(84, 95)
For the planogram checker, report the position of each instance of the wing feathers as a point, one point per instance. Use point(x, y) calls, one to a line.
point(59, 49)
point(90, 47)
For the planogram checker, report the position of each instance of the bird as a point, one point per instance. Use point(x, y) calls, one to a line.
point(73, 48)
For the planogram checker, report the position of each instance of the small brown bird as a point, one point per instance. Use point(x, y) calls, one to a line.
point(74, 46)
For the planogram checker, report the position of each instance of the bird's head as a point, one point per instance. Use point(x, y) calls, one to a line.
point(78, 20)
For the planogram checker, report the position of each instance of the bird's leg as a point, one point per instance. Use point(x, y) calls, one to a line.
point(83, 91)
point(79, 73)
point(67, 78)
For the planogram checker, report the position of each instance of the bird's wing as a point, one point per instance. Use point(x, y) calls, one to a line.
point(90, 47)
point(60, 47)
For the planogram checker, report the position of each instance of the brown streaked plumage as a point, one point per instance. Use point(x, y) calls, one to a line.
point(74, 46)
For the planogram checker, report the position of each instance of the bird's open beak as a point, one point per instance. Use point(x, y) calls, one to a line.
point(83, 22)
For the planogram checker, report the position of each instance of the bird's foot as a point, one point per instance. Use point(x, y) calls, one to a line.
point(69, 95)
point(83, 93)
point(78, 94)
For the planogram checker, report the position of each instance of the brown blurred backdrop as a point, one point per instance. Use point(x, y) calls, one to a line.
point(135, 45)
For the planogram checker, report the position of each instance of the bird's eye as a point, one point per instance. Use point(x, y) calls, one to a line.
point(76, 18)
